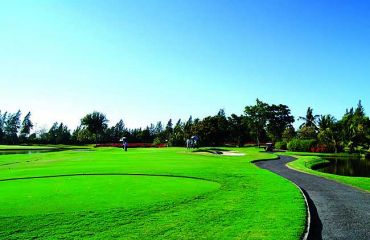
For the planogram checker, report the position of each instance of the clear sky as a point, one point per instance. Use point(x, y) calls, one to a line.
point(150, 60)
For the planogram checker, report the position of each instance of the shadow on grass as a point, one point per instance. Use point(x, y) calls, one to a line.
point(211, 150)
point(106, 174)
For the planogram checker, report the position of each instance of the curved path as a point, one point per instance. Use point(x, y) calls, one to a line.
point(337, 211)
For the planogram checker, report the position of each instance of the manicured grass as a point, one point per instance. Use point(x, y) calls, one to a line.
point(305, 164)
point(130, 192)
point(208, 197)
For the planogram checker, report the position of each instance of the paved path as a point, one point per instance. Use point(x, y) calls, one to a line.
point(337, 211)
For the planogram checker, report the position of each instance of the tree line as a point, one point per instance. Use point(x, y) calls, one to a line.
point(260, 123)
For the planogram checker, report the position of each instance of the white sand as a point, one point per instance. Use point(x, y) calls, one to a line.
point(231, 153)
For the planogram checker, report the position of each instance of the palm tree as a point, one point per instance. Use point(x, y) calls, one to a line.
point(310, 119)
point(95, 123)
point(329, 131)
point(326, 121)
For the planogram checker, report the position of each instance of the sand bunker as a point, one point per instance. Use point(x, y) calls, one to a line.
point(232, 153)
point(218, 151)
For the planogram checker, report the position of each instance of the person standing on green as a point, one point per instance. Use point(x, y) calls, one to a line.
point(125, 145)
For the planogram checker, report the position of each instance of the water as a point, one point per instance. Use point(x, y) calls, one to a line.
point(354, 166)
point(6, 152)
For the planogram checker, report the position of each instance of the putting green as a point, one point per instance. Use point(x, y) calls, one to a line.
point(87, 193)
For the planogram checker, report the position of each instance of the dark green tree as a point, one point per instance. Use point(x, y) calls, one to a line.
point(188, 128)
point(95, 123)
point(82, 136)
point(2, 126)
point(279, 119)
point(326, 121)
point(355, 128)
point(177, 138)
point(329, 132)
point(238, 129)
point(168, 130)
point(257, 116)
point(221, 127)
point(308, 129)
point(118, 131)
point(146, 136)
point(11, 128)
point(310, 120)
point(289, 133)
point(212, 130)
point(27, 125)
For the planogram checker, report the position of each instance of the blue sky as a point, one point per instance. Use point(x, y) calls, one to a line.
point(145, 61)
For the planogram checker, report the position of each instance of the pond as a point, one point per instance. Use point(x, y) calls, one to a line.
point(354, 166)
point(26, 151)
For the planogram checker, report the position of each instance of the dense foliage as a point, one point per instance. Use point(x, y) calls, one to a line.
point(301, 145)
point(260, 123)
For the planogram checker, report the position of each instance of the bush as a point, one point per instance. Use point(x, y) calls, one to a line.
point(301, 145)
point(157, 141)
point(281, 145)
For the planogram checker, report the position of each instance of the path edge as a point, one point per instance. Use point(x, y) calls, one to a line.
point(308, 218)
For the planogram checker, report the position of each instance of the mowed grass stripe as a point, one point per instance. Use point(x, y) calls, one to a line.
point(250, 203)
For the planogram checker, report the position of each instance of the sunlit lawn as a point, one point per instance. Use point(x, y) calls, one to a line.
point(168, 193)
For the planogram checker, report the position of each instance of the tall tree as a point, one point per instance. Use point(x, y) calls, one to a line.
point(187, 127)
point(119, 131)
point(2, 125)
point(63, 134)
point(355, 128)
point(169, 130)
point(257, 116)
point(310, 120)
point(177, 138)
point(221, 127)
point(326, 121)
point(212, 130)
point(146, 136)
point(27, 125)
point(158, 129)
point(329, 132)
point(12, 125)
point(95, 123)
point(279, 118)
point(289, 133)
point(308, 129)
point(238, 129)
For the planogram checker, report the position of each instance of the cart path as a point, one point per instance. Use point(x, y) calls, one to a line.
point(337, 211)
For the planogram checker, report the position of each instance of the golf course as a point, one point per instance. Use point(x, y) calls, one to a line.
point(156, 193)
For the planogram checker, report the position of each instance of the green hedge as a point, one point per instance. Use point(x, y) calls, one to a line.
point(281, 145)
point(301, 145)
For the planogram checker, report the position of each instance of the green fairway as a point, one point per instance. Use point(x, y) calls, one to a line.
point(305, 164)
point(146, 194)
point(94, 193)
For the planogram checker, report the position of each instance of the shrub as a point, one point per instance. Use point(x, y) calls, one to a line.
point(301, 145)
point(157, 141)
point(281, 145)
